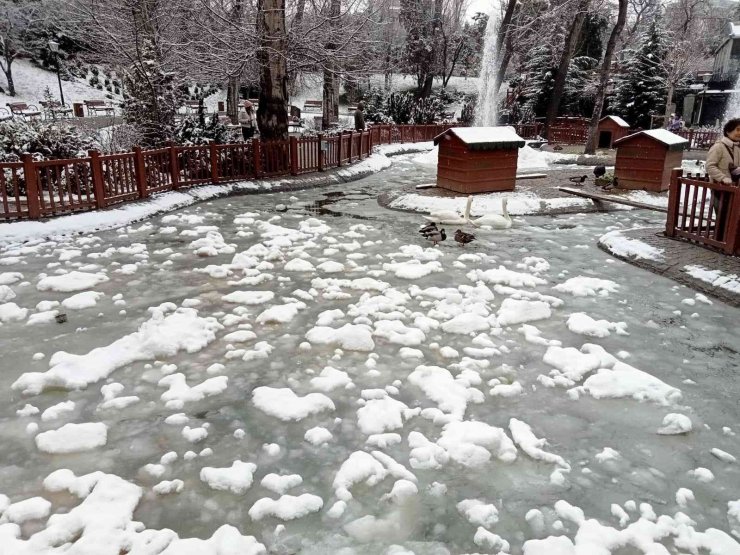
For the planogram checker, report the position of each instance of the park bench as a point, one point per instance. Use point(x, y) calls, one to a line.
point(94, 107)
point(315, 106)
point(54, 109)
point(351, 109)
point(23, 110)
point(5, 115)
point(192, 107)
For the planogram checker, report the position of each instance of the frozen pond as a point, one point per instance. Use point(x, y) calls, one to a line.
point(322, 380)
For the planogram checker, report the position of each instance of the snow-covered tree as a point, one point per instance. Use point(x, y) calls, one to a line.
point(150, 97)
point(17, 21)
point(642, 85)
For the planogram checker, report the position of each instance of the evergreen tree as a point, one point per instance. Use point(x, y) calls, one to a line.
point(535, 82)
point(151, 97)
point(641, 88)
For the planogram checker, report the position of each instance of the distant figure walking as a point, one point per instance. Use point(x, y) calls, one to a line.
point(723, 166)
point(359, 117)
point(674, 124)
point(248, 121)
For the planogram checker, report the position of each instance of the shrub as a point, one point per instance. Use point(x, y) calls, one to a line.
point(43, 140)
point(200, 131)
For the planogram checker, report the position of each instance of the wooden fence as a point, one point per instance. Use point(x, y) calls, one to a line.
point(33, 190)
point(700, 139)
point(704, 212)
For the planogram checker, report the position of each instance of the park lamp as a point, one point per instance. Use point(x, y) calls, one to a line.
point(54, 46)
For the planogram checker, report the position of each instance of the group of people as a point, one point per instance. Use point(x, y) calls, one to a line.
point(248, 119)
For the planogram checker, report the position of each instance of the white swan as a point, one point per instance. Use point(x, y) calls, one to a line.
point(450, 217)
point(496, 221)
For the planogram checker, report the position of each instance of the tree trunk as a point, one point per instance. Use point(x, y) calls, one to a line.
point(425, 81)
point(9, 78)
point(296, 28)
point(272, 115)
point(562, 72)
point(669, 100)
point(330, 95)
point(504, 55)
point(426, 86)
point(232, 99)
point(604, 75)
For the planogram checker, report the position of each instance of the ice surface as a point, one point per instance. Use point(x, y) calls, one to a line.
point(371, 413)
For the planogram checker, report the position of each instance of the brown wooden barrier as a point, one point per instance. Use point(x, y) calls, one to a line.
point(704, 212)
point(31, 190)
point(12, 192)
point(700, 139)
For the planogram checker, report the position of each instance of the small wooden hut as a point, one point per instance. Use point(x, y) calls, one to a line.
point(645, 159)
point(611, 129)
point(478, 159)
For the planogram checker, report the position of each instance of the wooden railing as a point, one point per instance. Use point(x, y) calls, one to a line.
point(704, 212)
point(568, 135)
point(35, 189)
point(700, 139)
point(529, 130)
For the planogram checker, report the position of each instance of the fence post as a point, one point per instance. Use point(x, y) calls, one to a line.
point(351, 136)
point(214, 162)
point(96, 166)
point(257, 152)
point(32, 188)
point(174, 167)
point(339, 149)
point(673, 200)
point(321, 151)
point(732, 233)
point(359, 147)
point(140, 172)
point(369, 143)
point(293, 150)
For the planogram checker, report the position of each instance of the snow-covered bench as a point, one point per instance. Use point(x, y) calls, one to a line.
point(23, 110)
point(315, 106)
point(54, 109)
point(94, 107)
point(5, 115)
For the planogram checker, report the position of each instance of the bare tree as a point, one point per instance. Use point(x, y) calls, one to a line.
point(272, 116)
point(604, 75)
point(17, 20)
point(563, 65)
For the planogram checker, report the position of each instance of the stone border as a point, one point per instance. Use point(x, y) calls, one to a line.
point(677, 254)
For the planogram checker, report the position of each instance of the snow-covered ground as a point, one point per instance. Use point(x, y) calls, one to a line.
point(232, 379)
point(31, 82)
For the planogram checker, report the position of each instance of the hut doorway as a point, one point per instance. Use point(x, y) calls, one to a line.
point(605, 139)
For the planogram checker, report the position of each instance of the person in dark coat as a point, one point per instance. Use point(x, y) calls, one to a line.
point(359, 118)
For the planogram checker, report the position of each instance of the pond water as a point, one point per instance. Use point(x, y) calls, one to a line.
point(448, 368)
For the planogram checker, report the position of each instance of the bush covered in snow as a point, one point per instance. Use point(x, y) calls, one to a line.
point(403, 107)
point(43, 140)
point(200, 130)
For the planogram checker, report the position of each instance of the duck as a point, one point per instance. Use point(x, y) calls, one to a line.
point(464, 238)
point(428, 228)
point(599, 171)
point(436, 236)
point(496, 221)
point(451, 217)
point(578, 179)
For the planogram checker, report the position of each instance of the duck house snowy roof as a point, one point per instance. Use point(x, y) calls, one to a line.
point(484, 138)
point(616, 119)
point(663, 136)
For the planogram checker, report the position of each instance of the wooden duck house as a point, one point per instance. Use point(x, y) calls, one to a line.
point(611, 129)
point(645, 159)
point(478, 159)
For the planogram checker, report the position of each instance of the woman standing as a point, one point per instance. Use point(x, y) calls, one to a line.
point(723, 166)
point(249, 122)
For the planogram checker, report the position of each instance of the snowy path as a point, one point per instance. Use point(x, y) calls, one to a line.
point(321, 379)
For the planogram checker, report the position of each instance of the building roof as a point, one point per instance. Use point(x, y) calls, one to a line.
point(485, 138)
point(671, 140)
point(616, 119)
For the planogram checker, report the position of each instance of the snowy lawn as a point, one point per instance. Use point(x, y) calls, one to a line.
point(230, 379)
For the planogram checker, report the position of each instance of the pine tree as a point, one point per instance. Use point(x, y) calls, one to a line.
point(641, 88)
point(151, 97)
point(535, 82)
